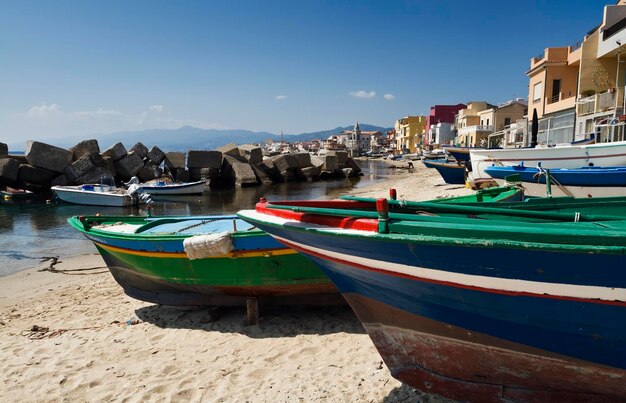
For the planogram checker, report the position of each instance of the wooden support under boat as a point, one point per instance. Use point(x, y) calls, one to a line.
point(252, 311)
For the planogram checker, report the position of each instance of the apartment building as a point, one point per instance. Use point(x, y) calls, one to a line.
point(409, 133)
point(440, 114)
point(471, 130)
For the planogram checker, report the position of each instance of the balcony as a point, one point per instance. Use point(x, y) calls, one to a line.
point(559, 103)
point(476, 129)
point(606, 101)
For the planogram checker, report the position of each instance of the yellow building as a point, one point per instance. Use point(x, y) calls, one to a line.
point(409, 133)
point(471, 130)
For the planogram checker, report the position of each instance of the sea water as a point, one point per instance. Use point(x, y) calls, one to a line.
point(31, 232)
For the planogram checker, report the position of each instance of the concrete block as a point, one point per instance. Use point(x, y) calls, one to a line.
point(311, 173)
point(352, 164)
point(60, 180)
point(261, 175)
point(317, 162)
point(140, 150)
point(83, 165)
point(98, 175)
point(181, 175)
point(285, 162)
point(342, 156)
point(129, 166)
point(149, 172)
point(251, 153)
point(4, 150)
point(34, 175)
point(41, 155)
point(231, 150)
point(156, 155)
point(241, 173)
point(116, 151)
point(9, 170)
point(204, 159)
point(304, 160)
point(197, 174)
point(289, 175)
point(175, 160)
point(110, 165)
point(84, 148)
point(331, 162)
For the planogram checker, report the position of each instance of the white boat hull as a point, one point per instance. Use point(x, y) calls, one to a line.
point(539, 190)
point(570, 156)
point(175, 189)
point(78, 195)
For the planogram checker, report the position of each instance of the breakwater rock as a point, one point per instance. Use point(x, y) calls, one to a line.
point(44, 165)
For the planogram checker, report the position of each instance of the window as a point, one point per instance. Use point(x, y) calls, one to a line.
point(487, 122)
point(507, 121)
point(537, 92)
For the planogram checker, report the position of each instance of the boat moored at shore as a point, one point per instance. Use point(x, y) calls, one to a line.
point(506, 305)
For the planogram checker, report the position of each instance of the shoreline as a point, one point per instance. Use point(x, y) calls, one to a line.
point(73, 334)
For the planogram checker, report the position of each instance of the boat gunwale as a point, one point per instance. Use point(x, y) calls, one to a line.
point(75, 222)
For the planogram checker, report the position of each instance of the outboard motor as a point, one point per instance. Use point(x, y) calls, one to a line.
point(133, 181)
point(136, 191)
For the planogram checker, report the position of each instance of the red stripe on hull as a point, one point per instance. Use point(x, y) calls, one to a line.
point(448, 283)
point(582, 157)
point(362, 224)
point(435, 357)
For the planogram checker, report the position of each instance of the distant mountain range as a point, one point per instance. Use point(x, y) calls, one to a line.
point(189, 138)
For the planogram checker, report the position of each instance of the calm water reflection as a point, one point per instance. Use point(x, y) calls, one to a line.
point(30, 232)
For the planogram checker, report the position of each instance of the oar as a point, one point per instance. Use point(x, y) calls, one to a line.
point(459, 209)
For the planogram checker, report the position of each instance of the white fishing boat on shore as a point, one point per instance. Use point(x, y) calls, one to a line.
point(610, 154)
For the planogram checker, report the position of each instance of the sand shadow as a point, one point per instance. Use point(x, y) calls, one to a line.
point(405, 393)
point(275, 321)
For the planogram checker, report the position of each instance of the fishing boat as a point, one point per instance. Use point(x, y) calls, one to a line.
point(574, 155)
point(461, 154)
point(172, 189)
point(576, 182)
point(9, 195)
point(451, 172)
point(99, 195)
point(475, 303)
point(429, 162)
point(211, 260)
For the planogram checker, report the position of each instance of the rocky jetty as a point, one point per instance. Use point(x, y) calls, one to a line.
point(45, 165)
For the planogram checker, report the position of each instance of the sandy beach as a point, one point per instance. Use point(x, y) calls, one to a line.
point(73, 335)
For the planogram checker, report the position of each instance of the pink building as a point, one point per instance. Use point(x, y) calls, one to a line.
point(441, 114)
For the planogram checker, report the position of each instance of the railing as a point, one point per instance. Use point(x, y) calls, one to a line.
point(606, 100)
point(539, 56)
point(477, 128)
point(576, 46)
point(586, 106)
point(611, 99)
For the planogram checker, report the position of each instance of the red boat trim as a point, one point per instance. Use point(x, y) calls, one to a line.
point(448, 283)
point(361, 224)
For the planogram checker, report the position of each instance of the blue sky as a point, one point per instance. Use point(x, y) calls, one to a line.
point(79, 68)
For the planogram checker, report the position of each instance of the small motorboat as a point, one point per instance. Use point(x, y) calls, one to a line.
point(14, 195)
point(100, 195)
point(170, 188)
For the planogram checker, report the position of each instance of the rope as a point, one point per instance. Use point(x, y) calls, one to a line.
point(54, 260)
point(541, 172)
point(194, 225)
point(41, 332)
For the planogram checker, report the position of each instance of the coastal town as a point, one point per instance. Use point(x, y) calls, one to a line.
point(336, 267)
